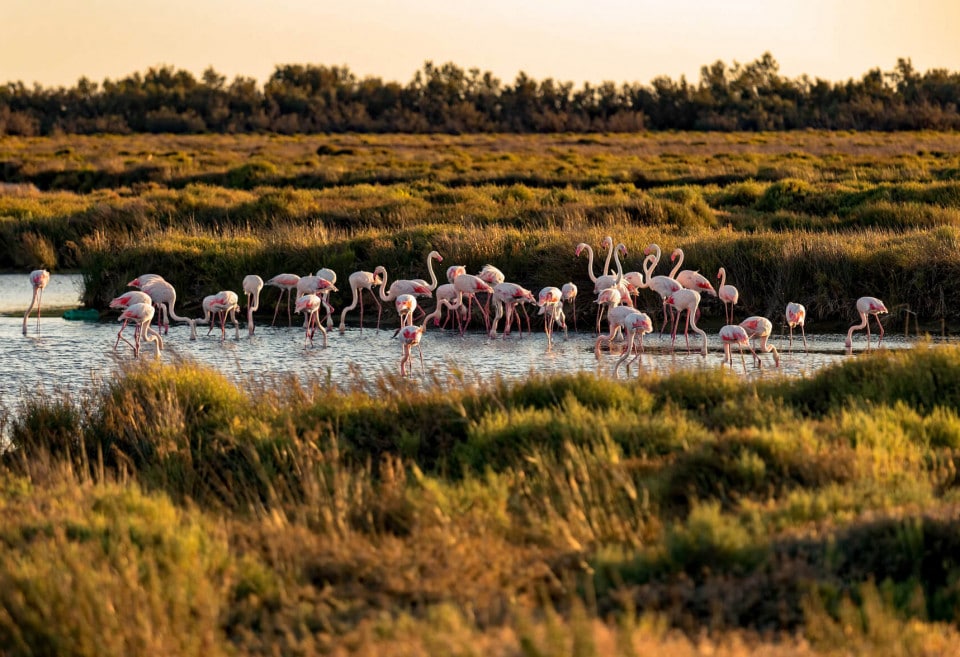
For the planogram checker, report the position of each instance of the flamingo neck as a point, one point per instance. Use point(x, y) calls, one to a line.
point(676, 267)
point(610, 253)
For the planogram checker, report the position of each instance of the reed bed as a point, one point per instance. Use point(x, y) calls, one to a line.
point(173, 510)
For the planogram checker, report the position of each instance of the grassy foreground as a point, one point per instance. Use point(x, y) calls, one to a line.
point(174, 512)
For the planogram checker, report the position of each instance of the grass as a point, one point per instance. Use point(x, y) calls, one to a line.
point(535, 516)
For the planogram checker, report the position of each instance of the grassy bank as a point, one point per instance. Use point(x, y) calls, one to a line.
point(173, 510)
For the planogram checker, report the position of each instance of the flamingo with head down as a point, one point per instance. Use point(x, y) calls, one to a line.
point(39, 278)
point(867, 306)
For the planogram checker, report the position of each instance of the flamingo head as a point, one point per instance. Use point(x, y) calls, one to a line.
point(607, 242)
point(323, 285)
point(436, 256)
point(580, 247)
point(720, 274)
point(674, 255)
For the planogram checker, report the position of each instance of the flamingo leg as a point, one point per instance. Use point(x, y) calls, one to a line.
point(742, 359)
point(877, 317)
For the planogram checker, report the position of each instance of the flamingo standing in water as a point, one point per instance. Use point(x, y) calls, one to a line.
point(569, 294)
point(662, 285)
point(509, 296)
point(165, 298)
point(550, 301)
point(125, 300)
point(447, 297)
point(469, 286)
point(760, 328)
point(310, 304)
point(287, 283)
point(226, 303)
point(615, 321)
point(692, 280)
point(867, 306)
point(38, 279)
point(728, 295)
point(141, 314)
point(796, 315)
point(635, 326)
point(360, 281)
point(410, 336)
point(252, 285)
point(406, 304)
point(416, 287)
point(329, 275)
point(734, 334)
point(687, 300)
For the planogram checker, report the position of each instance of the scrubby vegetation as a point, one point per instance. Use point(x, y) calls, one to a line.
point(172, 512)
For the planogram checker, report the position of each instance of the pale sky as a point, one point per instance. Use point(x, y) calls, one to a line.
point(55, 42)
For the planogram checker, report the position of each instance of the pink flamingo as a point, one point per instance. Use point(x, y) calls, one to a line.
point(327, 274)
point(635, 326)
point(360, 281)
point(569, 293)
point(550, 301)
point(410, 336)
point(39, 278)
point(662, 285)
point(226, 303)
point(692, 280)
point(734, 334)
point(322, 287)
point(143, 280)
point(406, 304)
point(165, 298)
point(417, 286)
point(469, 286)
point(141, 314)
point(124, 301)
point(310, 304)
point(728, 295)
point(287, 283)
point(760, 328)
point(252, 284)
point(867, 306)
point(447, 297)
point(689, 301)
point(796, 315)
point(613, 294)
point(615, 319)
point(583, 246)
point(509, 296)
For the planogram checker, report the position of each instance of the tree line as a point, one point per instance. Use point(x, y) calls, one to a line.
point(448, 99)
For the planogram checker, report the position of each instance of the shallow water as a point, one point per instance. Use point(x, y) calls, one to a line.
point(72, 355)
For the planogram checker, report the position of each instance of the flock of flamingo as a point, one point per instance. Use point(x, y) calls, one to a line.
point(617, 297)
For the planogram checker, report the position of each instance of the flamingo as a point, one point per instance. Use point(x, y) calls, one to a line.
point(610, 280)
point(728, 295)
point(406, 304)
point(165, 297)
point(310, 304)
point(143, 280)
point(322, 287)
point(286, 283)
point(687, 300)
point(252, 284)
point(124, 301)
point(613, 294)
point(410, 336)
point(796, 315)
point(615, 319)
point(509, 296)
point(662, 285)
point(492, 277)
point(867, 306)
point(226, 303)
point(760, 328)
point(635, 325)
point(328, 274)
point(550, 301)
point(583, 246)
point(469, 286)
point(39, 278)
point(360, 281)
point(417, 287)
point(569, 294)
point(447, 297)
point(692, 280)
point(141, 314)
point(734, 334)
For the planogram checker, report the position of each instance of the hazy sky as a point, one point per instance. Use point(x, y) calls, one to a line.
point(55, 42)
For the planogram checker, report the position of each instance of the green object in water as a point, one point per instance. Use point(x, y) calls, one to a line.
point(82, 314)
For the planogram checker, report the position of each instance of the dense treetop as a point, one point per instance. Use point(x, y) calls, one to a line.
point(448, 99)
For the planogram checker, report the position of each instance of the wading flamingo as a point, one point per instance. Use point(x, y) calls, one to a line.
point(38, 279)
point(165, 298)
point(310, 304)
point(126, 300)
point(360, 281)
point(662, 285)
point(509, 296)
point(613, 294)
point(410, 336)
point(252, 285)
point(796, 315)
point(583, 246)
point(416, 287)
point(141, 314)
point(550, 301)
point(615, 319)
point(635, 326)
point(406, 304)
point(226, 303)
point(287, 283)
point(687, 300)
point(728, 294)
point(690, 279)
point(447, 297)
point(569, 293)
point(328, 274)
point(469, 286)
point(867, 306)
point(734, 334)
point(760, 328)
